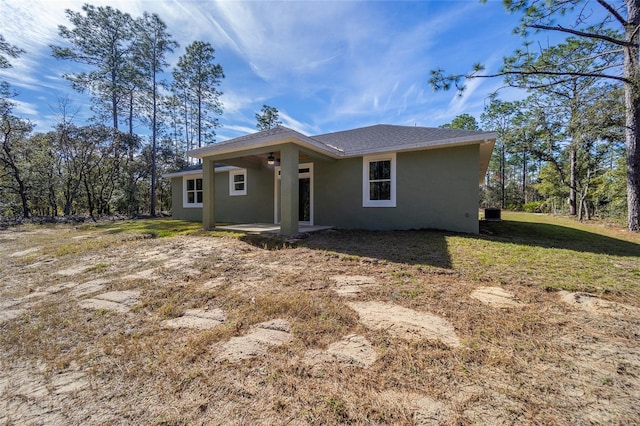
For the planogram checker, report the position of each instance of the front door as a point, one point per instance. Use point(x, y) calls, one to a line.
point(305, 194)
point(304, 199)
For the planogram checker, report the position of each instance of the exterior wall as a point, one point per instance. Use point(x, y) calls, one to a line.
point(178, 211)
point(256, 206)
point(436, 189)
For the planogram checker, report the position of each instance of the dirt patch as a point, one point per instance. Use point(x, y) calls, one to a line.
point(259, 339)
point(117, 301)
point(90, 287)
point(57, 288)
point(37, 396)
point(9, 314)
point(381, 362)
point(75, 270)
point(214, 283)
point(153, 255)
point(426, 411)
point(351, 285)
point(197, 318)
point(354, 350)
point(26, 252)
point(146, 274)
point(496, 297)
point(406, 323)
point(41, 263)
point(596, 305)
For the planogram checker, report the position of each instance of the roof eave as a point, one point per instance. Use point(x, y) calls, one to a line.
point(266, 142)
point(443, 143)
point(196, 172)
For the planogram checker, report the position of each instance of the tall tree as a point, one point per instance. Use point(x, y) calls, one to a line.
point(6, 50)
point(172, 118)
point(499, 116)
point(462, 121)
point(150, 49)
point(615, 28)
point(568, 98)
point(268, 118)
point(199, 77)
point(101, 38)
point(14, 156)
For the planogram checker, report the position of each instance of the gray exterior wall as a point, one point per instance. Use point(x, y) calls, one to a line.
point(177, 209)
point(436, 189)
point(256, 206)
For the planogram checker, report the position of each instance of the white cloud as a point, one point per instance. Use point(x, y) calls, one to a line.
point(330, 65)
point(292, 123)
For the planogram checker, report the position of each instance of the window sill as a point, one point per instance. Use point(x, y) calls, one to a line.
point(379, 204)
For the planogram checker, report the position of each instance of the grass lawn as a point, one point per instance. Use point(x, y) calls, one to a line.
point(548, 252)
point(532, 322)
point(553, 253)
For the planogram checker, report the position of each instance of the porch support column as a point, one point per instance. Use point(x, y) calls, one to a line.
point(289, 194)
point(208, 194)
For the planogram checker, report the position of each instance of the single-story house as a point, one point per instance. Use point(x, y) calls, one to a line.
point(379, 177)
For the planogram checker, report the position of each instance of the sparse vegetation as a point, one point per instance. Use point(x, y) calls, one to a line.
point(156, 228)
point(542, 362)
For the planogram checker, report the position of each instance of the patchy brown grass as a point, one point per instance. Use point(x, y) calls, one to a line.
point(542, 362)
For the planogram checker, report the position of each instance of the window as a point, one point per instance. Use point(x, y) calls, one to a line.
point(238, 182)
point(379, 180)
point(192, 192)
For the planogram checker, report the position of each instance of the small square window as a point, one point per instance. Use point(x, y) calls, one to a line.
point(238, 182)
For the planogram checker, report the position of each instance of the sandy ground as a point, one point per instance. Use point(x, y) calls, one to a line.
point(114, 329)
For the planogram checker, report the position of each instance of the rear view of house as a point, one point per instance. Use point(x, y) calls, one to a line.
point(377, 177)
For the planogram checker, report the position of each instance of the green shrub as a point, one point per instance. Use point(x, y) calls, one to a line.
point(535, 207)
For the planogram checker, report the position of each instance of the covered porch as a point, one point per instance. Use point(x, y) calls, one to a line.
point(283, 152)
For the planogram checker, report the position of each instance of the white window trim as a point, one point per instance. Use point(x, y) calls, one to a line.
point(232, 190)
point(185, 203)
point(366, 202)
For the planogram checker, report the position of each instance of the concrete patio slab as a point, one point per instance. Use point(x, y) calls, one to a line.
point(267, 228)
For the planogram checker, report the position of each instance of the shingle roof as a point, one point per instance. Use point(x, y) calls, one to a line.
point(384, 136)
point(366, 140)
point(380, 138)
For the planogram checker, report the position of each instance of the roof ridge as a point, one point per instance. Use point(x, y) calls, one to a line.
point(444, 129)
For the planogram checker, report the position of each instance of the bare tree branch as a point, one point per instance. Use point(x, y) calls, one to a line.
point(552, 73)
point(612, 11)
point(580, 34)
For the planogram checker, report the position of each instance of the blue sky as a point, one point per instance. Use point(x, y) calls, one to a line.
point(327, 66)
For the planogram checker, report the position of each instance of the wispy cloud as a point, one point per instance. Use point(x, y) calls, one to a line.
point(325, 65)
point(26, 109)
point(296, 125)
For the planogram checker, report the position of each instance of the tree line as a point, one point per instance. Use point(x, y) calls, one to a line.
point(559, 151)
point(600, 55)
point(570, 146)
point(145, 119)
point(562, 148)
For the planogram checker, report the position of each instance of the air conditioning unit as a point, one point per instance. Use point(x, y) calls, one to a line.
point(492, 214)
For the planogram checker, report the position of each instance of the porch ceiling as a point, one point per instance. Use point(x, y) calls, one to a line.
point(258, 157)
point(257, 161)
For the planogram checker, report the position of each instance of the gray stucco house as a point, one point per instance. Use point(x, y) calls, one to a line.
point(376, 177)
